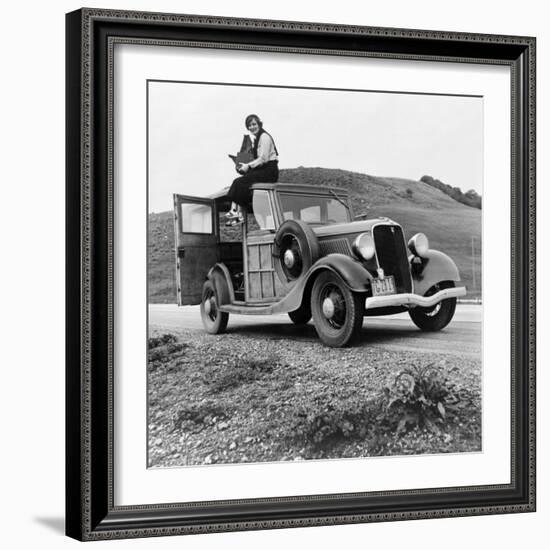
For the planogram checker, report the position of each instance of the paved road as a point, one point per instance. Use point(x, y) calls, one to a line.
point(397, 332)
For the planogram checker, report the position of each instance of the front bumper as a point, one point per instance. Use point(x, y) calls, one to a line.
point(411, 300)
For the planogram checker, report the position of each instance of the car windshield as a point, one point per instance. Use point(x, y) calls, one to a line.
point(315, 209)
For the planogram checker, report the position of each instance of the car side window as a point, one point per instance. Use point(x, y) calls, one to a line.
point(311, 214)
point(261, 208)
point(196, 218)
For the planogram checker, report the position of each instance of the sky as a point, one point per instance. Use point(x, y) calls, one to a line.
point(194, 126)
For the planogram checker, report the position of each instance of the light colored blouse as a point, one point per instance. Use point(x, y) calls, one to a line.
point(266, 151)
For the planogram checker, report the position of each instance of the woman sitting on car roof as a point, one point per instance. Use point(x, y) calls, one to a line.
point(263, 168)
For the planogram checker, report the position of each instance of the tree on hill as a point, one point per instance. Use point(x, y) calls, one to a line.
point(470, 198)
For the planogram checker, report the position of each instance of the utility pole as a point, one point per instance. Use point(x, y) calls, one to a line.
point(473, 266)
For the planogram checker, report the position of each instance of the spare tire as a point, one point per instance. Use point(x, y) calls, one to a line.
point(295, 250)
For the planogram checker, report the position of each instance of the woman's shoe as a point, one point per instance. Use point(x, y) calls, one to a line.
point(232, 220)
point(237, 220)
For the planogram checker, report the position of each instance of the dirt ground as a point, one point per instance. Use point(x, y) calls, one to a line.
point(242, 398)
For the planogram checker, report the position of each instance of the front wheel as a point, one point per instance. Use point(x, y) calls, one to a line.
point(337, 311)
point(213, 320)
point(432, 319)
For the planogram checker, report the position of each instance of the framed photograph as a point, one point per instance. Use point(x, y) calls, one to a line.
point(300, 274)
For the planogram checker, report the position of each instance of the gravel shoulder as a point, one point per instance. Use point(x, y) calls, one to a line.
point(237, 398)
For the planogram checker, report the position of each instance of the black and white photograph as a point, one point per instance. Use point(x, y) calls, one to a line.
point(300, 276)
point(314, 273)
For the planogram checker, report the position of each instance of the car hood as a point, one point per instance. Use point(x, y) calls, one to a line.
point(359, 226)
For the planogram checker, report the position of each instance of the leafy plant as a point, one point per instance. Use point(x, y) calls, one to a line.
point(423, 396)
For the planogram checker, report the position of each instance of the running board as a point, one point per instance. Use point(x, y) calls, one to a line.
point(248, 309)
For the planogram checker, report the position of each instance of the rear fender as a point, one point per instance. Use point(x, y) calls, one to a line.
point(221, 279)
point(434, 268)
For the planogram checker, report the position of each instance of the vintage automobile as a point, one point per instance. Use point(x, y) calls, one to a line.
point(300, 252)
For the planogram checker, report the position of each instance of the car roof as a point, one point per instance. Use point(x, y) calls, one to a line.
point(298, 188)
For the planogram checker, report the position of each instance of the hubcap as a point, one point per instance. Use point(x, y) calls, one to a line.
point(289, 259)
point(210, 306)
point(333, 306)
point(328, 308)
point(432, 310)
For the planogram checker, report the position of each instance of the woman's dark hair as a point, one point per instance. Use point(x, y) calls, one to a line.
point(249, 118)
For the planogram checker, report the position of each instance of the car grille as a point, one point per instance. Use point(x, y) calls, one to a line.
point(392, 255)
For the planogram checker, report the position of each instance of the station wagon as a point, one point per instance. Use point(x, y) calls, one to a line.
point(300, 251)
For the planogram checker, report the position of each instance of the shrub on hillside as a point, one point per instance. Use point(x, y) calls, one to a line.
point(164, 350)
point(332, 417)
point(470, 198)
point(424, 397)
point(418, 398)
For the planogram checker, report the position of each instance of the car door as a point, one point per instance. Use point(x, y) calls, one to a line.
point(196, 245)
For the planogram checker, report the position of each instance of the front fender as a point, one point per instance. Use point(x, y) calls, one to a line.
point(352, 272)
point(221, 279)
point(436, 267)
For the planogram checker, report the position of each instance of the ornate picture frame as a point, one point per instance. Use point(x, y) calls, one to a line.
point(91, 368)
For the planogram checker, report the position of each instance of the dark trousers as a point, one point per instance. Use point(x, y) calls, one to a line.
point(239, 191)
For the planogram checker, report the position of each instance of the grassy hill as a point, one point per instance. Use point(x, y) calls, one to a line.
point(417, 206)
point(161, 266)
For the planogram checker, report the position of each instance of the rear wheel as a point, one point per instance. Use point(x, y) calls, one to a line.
point(213, 320)
point(337, 311)
point(434, 318)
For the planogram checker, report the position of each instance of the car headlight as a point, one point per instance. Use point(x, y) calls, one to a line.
point(363, 246)
point(419, 245)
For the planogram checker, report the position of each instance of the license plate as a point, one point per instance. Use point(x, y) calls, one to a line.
point(381, 287)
